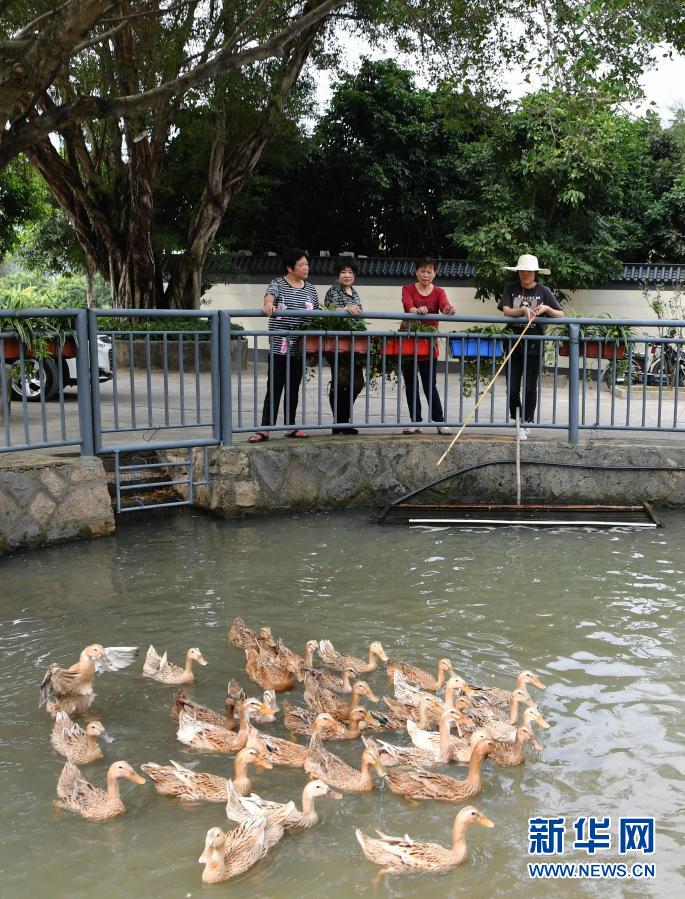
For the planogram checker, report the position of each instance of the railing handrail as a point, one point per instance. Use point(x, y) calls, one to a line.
point(320, 313)
point(220, 335)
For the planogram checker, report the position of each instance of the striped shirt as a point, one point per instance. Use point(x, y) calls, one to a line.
point(337, 297)
point(288, 297)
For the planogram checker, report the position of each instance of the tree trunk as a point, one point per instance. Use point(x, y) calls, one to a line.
point(90, 285)
point(226, 178)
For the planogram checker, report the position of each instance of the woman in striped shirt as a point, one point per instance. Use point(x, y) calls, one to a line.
point(291, 291)
point(348, 375)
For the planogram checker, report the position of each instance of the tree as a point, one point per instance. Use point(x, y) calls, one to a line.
point(568, 178)
point(375, 173)
point(20, 202)
point(90, 91)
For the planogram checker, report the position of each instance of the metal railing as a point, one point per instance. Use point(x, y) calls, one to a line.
point(181, 388)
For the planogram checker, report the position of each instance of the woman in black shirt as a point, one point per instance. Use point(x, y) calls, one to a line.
point(526, 299)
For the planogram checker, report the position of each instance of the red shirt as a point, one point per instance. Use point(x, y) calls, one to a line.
point(436, 301)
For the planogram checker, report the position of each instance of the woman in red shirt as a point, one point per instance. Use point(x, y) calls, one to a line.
point(424, 298)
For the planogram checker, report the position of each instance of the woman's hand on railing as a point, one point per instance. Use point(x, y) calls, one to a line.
point(268, 307)
point(353, 309)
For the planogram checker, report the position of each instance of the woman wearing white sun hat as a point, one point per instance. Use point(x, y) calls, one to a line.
point(526, 299)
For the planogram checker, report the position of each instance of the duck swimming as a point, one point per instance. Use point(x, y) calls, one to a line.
point(79, 746)
point(242, 808)
point(227, 855)
point(399, 855)
point(198, 786)
point(70, 689)
point(91, 802)
point(157, 667)
point(333, 659)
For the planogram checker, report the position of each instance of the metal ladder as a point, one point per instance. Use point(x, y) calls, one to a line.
point(138, 486)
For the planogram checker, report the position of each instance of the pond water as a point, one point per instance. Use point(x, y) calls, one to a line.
point(598, 615)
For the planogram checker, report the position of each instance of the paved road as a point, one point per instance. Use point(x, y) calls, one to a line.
point(160, 411)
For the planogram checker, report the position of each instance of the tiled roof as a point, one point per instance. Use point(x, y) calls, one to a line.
point(638, 273)
point(324, 266)
point(374, 267)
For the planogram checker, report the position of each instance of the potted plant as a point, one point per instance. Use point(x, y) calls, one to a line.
point(39, 338)
point(487, 344)
point(406, 343)
point(604, 340)
point(38, 345)
point(345, 322)
point(478, 356)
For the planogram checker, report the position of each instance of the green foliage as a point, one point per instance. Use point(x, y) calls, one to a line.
point(142, 327)
point(20, 202)
point(667, 306)
point(36, 333)
point(375, 178)
point(345, 322)
point(68, 291)
point(48, 244)
point(605, 329)
point(551, 179)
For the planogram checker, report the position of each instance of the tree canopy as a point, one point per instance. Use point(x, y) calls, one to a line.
point(393, 169)
point(95, 93)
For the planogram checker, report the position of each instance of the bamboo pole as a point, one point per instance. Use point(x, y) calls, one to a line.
point(485, 392)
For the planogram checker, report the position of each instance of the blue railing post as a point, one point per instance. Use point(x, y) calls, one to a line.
point(215, 359)
point(85, 409)
point(225, 370)
point(573, 368)
point(94, 373)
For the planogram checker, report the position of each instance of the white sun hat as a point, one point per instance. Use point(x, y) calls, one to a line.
point(527, 263)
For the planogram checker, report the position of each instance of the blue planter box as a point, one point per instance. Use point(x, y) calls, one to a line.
point(473, 347)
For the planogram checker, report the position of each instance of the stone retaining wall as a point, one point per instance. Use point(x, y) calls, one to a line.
point(50, 499)
point(337, 473)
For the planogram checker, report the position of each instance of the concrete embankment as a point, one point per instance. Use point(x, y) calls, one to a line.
point(338, 473)
point(50, 499)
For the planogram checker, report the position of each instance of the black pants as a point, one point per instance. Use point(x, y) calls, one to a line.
point(285, 373)
point(411, 375)
point(524, 358)
point(341, 388)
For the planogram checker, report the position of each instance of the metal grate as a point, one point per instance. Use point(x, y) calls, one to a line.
point(145, 485)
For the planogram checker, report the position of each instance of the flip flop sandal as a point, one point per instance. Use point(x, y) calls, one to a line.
point(296, 435)
point(259, 437)
point(411, 431)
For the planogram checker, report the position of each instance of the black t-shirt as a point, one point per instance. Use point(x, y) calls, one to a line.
point(515, 296)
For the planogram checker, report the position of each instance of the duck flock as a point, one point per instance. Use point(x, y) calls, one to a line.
point(445, 719)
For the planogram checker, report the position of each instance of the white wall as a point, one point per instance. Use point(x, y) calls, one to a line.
point(387, 298)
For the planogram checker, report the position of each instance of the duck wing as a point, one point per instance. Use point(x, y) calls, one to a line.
point(330, 656)
point(152, 662)
point(412, 674)
point(118, 657)
point(327, 766)
point(75, 790)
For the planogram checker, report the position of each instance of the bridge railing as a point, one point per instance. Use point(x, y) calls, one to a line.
point(180, 386)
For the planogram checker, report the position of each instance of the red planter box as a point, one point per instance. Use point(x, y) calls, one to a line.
point(311, 344)
point(596, 349)
point(12, 352)
point(410, 345)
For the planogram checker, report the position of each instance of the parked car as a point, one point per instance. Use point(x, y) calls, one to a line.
point(30, 385)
